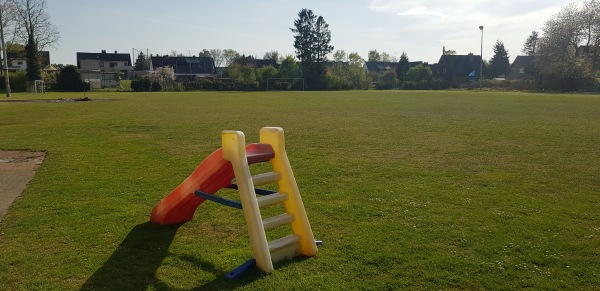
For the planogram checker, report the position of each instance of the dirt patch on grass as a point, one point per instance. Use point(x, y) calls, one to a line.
point(59, 100)
point(17, 168)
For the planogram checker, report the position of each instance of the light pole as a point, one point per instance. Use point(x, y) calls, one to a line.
point(4, 60)
point(481, 55)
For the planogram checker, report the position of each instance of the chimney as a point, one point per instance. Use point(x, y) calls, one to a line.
point(443, 50)
point(103, 51)
point(115, 52)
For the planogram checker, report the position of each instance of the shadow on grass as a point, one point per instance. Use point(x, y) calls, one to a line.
point(133, 265)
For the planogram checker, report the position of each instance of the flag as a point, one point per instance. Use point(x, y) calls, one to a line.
point(472, 74)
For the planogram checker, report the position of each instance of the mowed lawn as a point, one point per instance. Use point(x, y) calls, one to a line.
point(407, 190)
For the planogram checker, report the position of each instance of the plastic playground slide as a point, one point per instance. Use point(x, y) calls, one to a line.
point(209, 177)
point(179, 206)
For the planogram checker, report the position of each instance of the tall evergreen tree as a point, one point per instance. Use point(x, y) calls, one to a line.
point(142, 63)
point(499, 64)
point(311, 41)
point(402, 66)
point(531, 44)
point(33, 60)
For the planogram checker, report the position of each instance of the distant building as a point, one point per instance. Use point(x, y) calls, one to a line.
point(522, 68)
point(17, 61)
point(379, 67)
point(251, 62)
point(382, 67)
point(459, 68)
point(186, 68)
point(104, 62)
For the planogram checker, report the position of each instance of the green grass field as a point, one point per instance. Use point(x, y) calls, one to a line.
point(408, 190)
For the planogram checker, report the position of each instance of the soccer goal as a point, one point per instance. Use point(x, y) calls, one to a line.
point(284, 84)
point(36, 87)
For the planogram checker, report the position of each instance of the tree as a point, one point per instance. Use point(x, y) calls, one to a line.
point(142, 63)
point(385, 57)
point(402, 66)
point(33, 60)
point(229, 56)
point(499, 64)
point(33, 21)
point(350, 75)
point(356, 72)
point(419, 73)
point(289, 68)
point(311, 41)
point(70, 80)
point(176, 54)
point(340, 56)
point(570, 47)
point(218, 57)
point(272, 55)
point(355, 59)
point(242, 75)
point(14, 47)
point(264, 74)
point(374, 56)
point(531, 44)
point(164, 77)
point(204, 53)
point(387, 80)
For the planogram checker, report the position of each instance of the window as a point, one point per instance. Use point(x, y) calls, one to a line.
point(113, 64)
point(521, 70)
point(101, 64)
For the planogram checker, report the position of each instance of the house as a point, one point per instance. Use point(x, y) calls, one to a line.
point(119, 63)
point(186, 68)
point(17, 60)
point(382, 67)
point(379, 67)
point(250, 61)
point(98, 79)
point(459, 68)
point(522, 68)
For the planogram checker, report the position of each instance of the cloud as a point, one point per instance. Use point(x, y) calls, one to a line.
point(421, 11)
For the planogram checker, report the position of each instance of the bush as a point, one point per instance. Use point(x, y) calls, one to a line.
point(156, 87)
point(142, 85)
point(18, 81)
point(204, 84)
point(69, 80)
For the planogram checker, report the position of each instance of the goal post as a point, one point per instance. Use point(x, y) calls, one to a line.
point(285, 84)
point(36, 87)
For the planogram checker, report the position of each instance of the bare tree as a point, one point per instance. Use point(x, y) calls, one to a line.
point(229, 56)
point(271, 55)
point(32, 20)
point(217, 55)
point(590, 22)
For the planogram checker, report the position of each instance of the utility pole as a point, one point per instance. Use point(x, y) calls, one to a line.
point(4, 61)
point(481, 55)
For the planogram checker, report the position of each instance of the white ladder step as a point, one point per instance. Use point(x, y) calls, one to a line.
point(278, 220)
point(265, 178)
point(271, 199)
point(284, 242)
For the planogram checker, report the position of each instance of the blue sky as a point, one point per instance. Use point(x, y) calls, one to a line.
point(419, 28)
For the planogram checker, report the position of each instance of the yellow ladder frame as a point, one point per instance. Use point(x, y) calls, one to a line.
point(302, 241)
